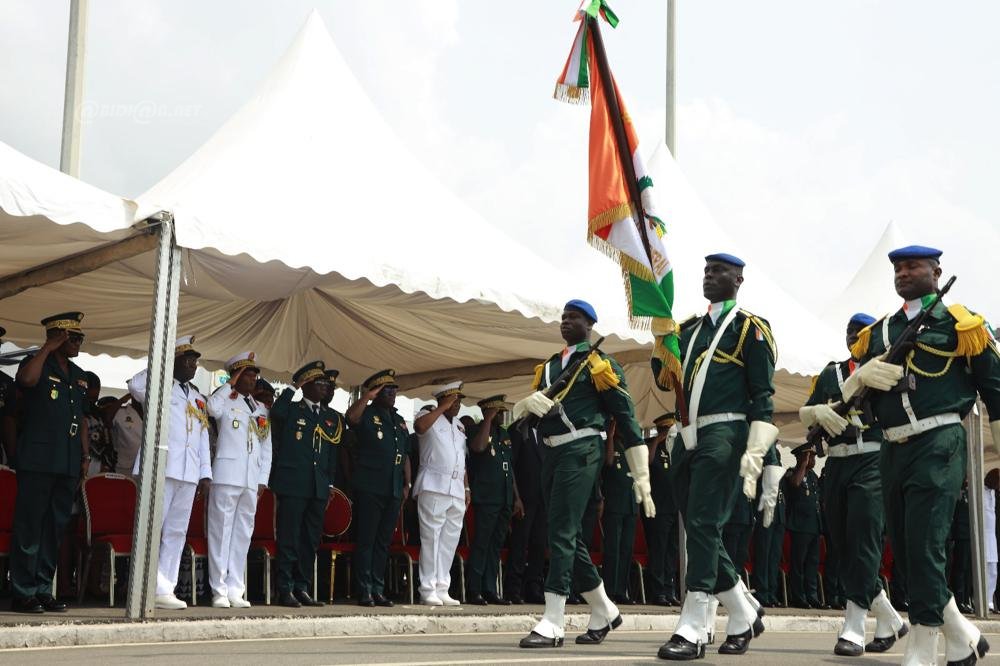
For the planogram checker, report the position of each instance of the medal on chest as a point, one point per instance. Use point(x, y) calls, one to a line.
point(236, 424)
point(379, 434)
point(493, 451)
point(54, 393)
point(298, 434)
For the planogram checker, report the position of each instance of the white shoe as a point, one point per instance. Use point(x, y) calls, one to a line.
point(220, 602)
point(239, 602)
point(431, 600)
point(169, 602)
point(447, 600)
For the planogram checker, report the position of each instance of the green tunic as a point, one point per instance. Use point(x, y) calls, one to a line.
point(491, 477)
point(803, 521)
point(661, 530)
point(491, 473)
point(620, 514)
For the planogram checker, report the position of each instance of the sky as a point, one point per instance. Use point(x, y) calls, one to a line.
point(805, 127)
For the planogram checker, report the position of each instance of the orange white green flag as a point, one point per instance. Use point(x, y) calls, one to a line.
point(630, 232)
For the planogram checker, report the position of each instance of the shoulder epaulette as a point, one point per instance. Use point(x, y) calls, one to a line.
point(973, 336)
point(687, 322)
point(764, 330)
point(537, 381)
point(602, 372)
point(860, 348)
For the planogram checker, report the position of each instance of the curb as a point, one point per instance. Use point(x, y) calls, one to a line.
point(66, 635)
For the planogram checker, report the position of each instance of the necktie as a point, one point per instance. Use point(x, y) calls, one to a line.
point(184, 387)
point(250, 404)
point(316, 410)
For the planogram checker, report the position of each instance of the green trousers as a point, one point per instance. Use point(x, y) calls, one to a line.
point(766, 576)
point(803, 568)
point(377, 516)
point(492, 521)
point(961, 570)
point(298, 526)
point(921, 481)
point(619, 538)
point(41, 511)
point(661, 541)
point(704, 483)
point(852, 497)
point(736, 539)
point(569, 472)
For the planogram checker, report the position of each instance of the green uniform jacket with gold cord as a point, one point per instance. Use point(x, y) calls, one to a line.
point(826, 389)
point(305, 448)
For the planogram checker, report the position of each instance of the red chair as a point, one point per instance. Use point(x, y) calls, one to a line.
point(640, 556)
point(336, 522)
point(264, 538)
point(197, 542)
point(597, 545)
point(109, 504)
point(8, 494)
point(401, 550)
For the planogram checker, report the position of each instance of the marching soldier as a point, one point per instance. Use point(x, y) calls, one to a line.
point(52, 456)
point(618, 521)
point(728, 367)
point(924, 460)
point(661, 530)
point(523, 578)
point(802, 498)
point(239, 474)
point(494, 497)
point(189, 465)
point(573, 450)
point(305, 461)
point(852, 498)
point(381, 481)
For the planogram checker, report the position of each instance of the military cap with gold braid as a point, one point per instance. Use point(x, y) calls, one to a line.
point(66, 321)
point(240, 361)
point(309, 372)
point(665, 420)
point(332, 375)
point(185, 345)
point(380, 379)
point(497, 402)
point(447, 387)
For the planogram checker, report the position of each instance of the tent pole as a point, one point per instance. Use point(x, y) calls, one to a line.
point(974, 438)
point(671, 105)
point(76, 49)
point(149, 506)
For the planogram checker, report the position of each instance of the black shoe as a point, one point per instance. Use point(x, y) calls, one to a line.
point(381, 600)
point(534, 597)
point(966, 609)
point(515, 599)
point(883, 644)
point(534, 640)
point(596, 636)
point(738, 644)
point(624, 600)
point(845, 648)
point(26, 605)
point(476, 599)
point(679, 648)
point(575, 599)
point(306, 600)
point(672, 600)
point(838, 606)
point(51, 604)
point(366, 601)
point(660, 600)
point(495, 599)
point(817, 604)
point(288, 599)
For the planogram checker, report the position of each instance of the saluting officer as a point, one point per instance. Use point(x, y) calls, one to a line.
point(769, 532)
point(523, 577)
point(52, 456)
point(189, 465)
point(661, 531)
point(618, 521)
point(239, 474)
point(728, 367)
point(573, 450)
point(805, 524)
point(305, 461)
point(494, 498)
point(924, 460)
point(381, 481)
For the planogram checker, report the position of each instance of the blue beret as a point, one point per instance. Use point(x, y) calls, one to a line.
point(915, 252)
point(726, 259)
point(862, 319)
point(582, 306)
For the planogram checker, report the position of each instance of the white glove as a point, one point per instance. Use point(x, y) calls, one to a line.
point(537, 403)
point(637, 458)
point(995, 431)
point(876, 374)
point(762, 436)
point(825, 416)
point(769, 492)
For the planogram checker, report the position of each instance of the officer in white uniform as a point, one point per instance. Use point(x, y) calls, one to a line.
point(240, 472)
point(189, 465)
point(990, 534)
point(441, 489)
point(126, 435)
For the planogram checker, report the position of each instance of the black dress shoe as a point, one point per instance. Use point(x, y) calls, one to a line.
point(288, 599)
point(660, 600)
point(476, 599)
point(382, 600)
point(26, 605)
point(845, 648)
point(818, 605)
point(597, 636)
point(366, 601)
point(883, 644)
point(739, 643)
point(534, 597)
point(51, 604)
point(672, 600)
point(679, 648)
point(966, 609)
point(534, 640)
point(838, 604)
point(623, 600)
point(515, 599)
point(495, 599)
point(306, 600)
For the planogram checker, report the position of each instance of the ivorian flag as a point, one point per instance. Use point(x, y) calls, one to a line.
point(613, 218)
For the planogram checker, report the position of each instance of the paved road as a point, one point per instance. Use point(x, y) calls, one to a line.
point(635, 647)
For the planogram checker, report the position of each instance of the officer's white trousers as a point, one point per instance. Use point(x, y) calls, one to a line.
point(178, 496)
point(991, 582)
point(231, 511)
point(440, 518)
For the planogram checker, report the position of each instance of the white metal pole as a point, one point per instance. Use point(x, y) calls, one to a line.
point(69, 159)
point(671, 80)
point(974, 431)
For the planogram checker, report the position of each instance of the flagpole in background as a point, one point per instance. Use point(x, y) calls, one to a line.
point(668, 135)
point(76, 50)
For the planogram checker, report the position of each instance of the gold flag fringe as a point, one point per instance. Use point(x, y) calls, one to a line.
point(669, 377)
point(571, 94)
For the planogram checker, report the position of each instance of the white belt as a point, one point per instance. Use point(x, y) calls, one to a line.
point(725, 417)
point(559, 440)
point(845, 450)
point(900, 434)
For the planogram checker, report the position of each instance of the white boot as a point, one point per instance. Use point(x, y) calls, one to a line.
point(889, 624)
point(962, 639)
point(749, 595)
point(851, 639)
point(689, 638)
point(921, 649)
point(713, 610)
point(550, 630)
point(743, 622)
point(603, 612)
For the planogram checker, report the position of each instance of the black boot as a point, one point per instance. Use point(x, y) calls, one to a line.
point(597, 636)
point(679, 648)
point(845, 648)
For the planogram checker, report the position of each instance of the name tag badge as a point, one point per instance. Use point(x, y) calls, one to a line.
point(300, 422)
point(236, 424)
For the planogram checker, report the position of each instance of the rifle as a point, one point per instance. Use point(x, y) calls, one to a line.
point(896, 354)
point(526, 423)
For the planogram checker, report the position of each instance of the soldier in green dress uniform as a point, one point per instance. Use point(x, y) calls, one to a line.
point(661, 530)
point(494, 500)
point(769, 536)
point(618, 522)
point(851, 488)
point(728, 360)
point(804, 523)
point(8, 404)
point(920, 406)
point(381, 479)
point(961, 553)
point(738, 529)
point(52, 456)
point(305, 452)
point(573, 449)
